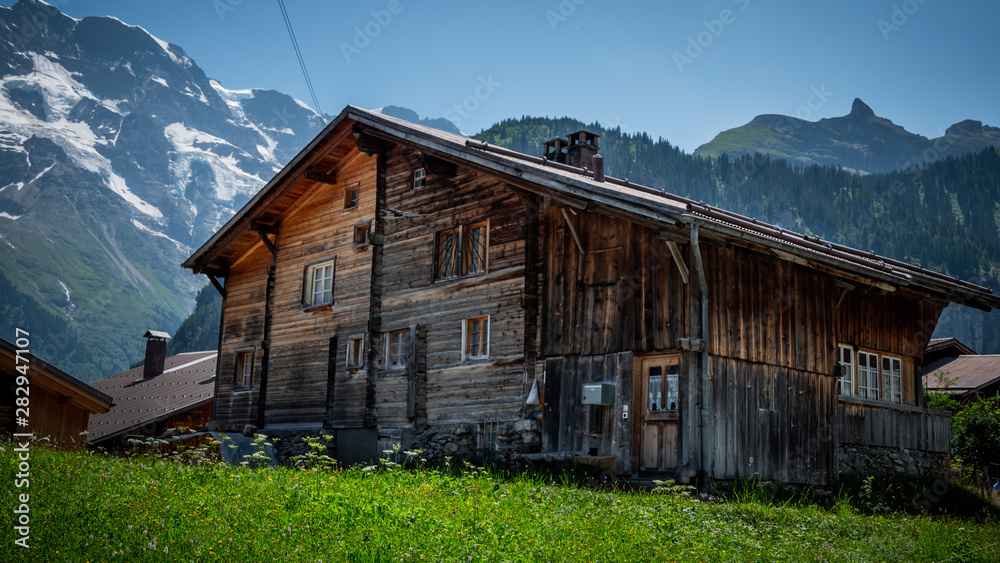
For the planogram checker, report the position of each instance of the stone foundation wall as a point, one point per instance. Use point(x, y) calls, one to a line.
point(288, 444)
point(495, 440)
point(873, 460)
point(499, 441)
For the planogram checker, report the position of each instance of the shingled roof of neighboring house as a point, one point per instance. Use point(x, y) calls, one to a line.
point(187, 382)
point(579, 187)
point(962, 375)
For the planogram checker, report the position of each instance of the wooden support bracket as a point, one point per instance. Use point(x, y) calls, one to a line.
point(317, 176)
point(572, 230)
point(681, 266)
point(263, 231)
point(845, 288)
point(218, 286)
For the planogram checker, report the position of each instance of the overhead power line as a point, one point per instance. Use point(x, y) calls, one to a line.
point(298, 53)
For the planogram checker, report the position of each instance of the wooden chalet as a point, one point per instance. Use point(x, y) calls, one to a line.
point(59, 404)
point(406, 285)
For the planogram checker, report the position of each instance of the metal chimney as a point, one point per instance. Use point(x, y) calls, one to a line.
point(156, 353)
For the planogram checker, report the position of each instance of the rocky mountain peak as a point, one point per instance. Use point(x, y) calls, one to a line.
point(860, 110)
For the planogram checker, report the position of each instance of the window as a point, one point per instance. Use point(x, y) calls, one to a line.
point(476, 339)
point(462, 251)
point(662, 388)
point(879, 377)
point(319, 284)
point(447, 258)
point(361, 231)
point(868, 375)
point(474, 249)
point(244, 368)
point(846, 370)
point(356, 351)
point(892, 379)
point(351, 195)
point(419, 178)
point(396, 343)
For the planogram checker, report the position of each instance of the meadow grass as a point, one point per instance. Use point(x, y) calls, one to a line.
point(91, 507)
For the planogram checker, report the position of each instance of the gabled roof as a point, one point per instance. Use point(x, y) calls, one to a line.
point(962, 374)
point(573, 187)
point(187, 382)
point(54, 380)
point(944, 347)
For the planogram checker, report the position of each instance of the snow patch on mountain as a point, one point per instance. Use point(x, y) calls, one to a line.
point(6, 215)
point(156, 233)
point(182, 61)
point(192, 145)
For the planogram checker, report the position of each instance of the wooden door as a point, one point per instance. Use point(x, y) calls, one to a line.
point(658, 402)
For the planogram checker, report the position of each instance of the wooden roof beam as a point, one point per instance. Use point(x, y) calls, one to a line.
point(317, 176)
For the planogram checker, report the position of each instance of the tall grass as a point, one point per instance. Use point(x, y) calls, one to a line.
point(89, 507)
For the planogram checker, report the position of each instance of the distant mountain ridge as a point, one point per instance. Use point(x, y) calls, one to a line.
point(408, 114)
point(860, 141)
point(118, 155)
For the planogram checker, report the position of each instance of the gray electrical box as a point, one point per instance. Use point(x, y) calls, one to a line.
point(599, 394)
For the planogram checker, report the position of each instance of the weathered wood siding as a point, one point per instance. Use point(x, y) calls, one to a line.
point(766, 311)
point(772, 347)
point(772, 422)
point(570, 426)
point(899, 323)
point(243, 327)
point(888, 426)
point(477, 390)
point(622, 293)
point(320, 228)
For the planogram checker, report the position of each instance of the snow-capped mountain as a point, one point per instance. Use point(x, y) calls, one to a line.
point(117, 156)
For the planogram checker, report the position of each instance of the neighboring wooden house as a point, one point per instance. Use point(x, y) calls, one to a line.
point(163, 393)
point(58, 404)
point(406, 285)
point(954, 368)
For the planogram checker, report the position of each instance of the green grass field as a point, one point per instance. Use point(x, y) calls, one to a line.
point(89, 507)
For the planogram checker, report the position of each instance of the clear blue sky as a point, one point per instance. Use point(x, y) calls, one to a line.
point(931, 63)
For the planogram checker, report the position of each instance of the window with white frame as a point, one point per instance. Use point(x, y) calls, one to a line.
point(892, 379)
point(476, 338)
point(319, 283)
point(419, 178)
point(846, 359)
point(244, 367)
point(396, 343)
point(868, 375)
point(356, 351)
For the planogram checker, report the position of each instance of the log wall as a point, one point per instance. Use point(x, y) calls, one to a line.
point(320, 228)
point(246, 286)
point(455, 390)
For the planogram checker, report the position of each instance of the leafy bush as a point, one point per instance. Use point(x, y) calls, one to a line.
point(976, 432)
